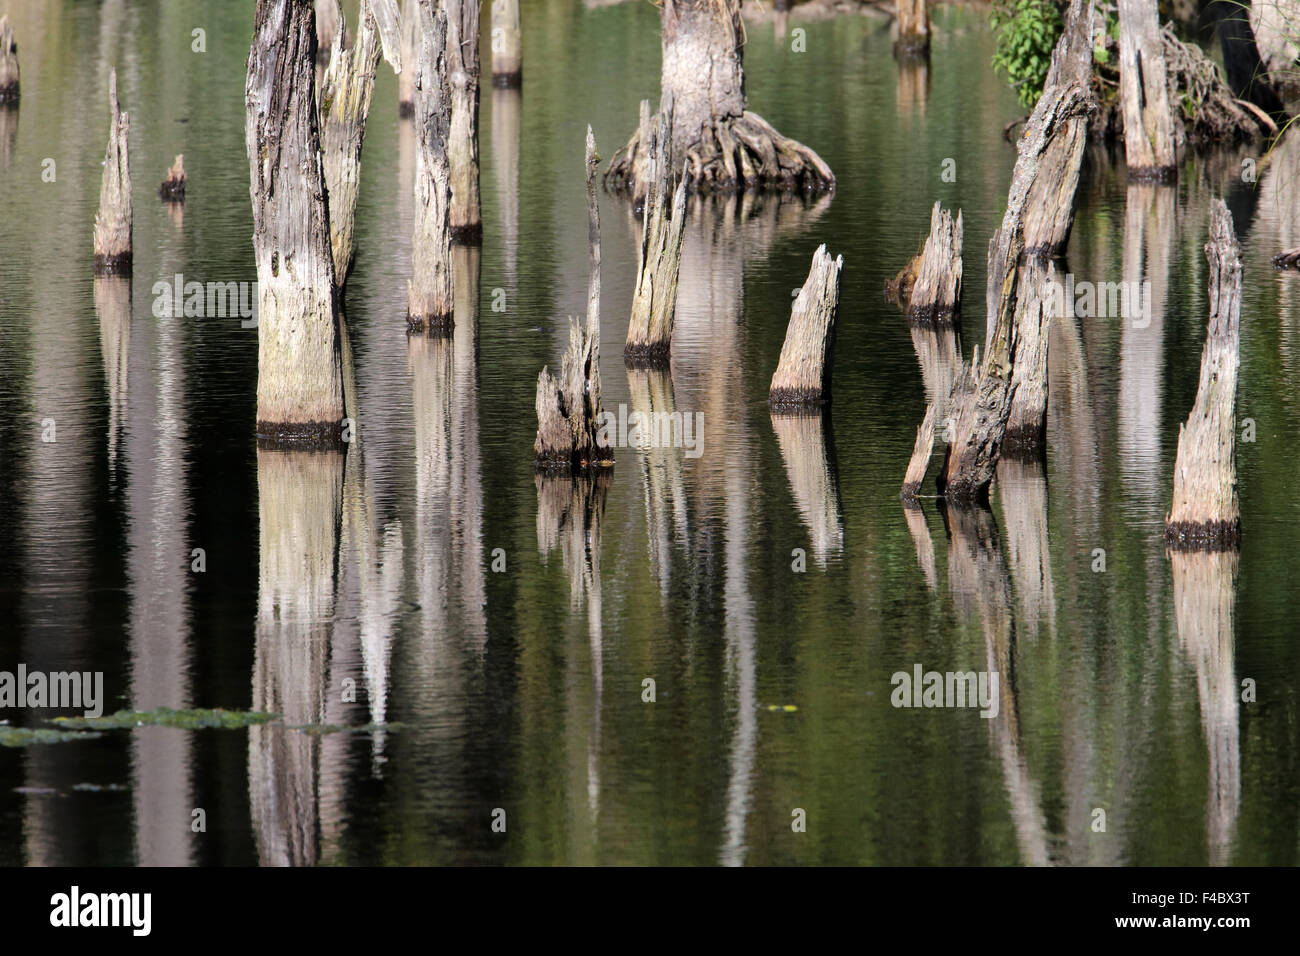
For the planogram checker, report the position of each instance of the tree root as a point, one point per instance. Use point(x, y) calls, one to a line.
point(733, 155)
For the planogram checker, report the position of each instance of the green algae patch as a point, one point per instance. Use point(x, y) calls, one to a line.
point(27, 736)
point(200, 719)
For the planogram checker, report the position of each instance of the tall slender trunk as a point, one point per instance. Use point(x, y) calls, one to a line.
point(1144, 92)
point(463, 72)
point(430, 301)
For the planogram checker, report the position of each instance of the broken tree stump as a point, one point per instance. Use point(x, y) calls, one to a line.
point(507, 45)
point(429, 294)
point(113, 221)
point(935, 295)
point(570, 421)
point(410, 51)
point(919, 463)
point(659, 257)
point(173, 187)
point(299, 373)
point(463, 75)
point(726, 148)
point(8, 63)
point(803, 374)
point(1144, 93)
point(345, 94)
point(913, 18)
point(1205, 514)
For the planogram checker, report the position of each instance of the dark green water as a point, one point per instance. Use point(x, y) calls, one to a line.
point(521, 689)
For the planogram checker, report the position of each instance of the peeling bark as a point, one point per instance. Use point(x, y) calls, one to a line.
point(803, 374)
point(113, 222)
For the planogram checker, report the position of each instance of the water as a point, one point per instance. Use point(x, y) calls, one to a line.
point(522, 689)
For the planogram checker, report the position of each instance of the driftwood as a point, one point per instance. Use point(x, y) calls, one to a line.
point(934, 298)
point(1144, 93)
point(659, 257)
point(725, 147)
point(173, 187)
point(113, 222)
point(803, 373)
point(568, 408)
point(299, 375)
point(507, 45)
point(410, 51)
point(429, 294)
point(913, 28)
point(345, 93)
point(463, 76)
point(1205, 514)
point(9, 85)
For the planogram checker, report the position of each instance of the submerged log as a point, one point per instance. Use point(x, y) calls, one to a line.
point(113, 222)
point(463, 75)
point(935, 295)
point(1205, 514)
point(410, 51)
point(8, 63)
point(659, 257)
point(803, 374)
point(1144, 93)
point(430, 294)
point(173, 187)
point(913, 28)
point(570, 428)
point(345, 94)
point(726, 148)
point(299, 375)
point(507, 44)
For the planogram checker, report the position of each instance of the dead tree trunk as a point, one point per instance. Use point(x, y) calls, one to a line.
point(919, 463)
point(803, 374)
point(113, 223)
point(410, 51)
point(659, 257)
point(725, 147)
point(935, 297)
point(1144, 93)
point(345, 94)
point(1027, 423)
point(173, 187)
point(571, 435)
point(8, 63)
point(299, 380)
point(430, 294)
point(507, 45)
point(913, 28)
point(1205, 515)
point(463, 73)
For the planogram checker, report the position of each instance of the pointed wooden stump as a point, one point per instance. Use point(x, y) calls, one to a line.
point(935, 295)
point(803, 373)
point(113, 222)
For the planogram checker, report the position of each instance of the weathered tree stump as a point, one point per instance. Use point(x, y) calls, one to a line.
point(345, 94)
point(803, 374)
point(919, 463)
point(299, 380)
point(913, 18)
point(410, 52)
point(430, 294)
point(725, 147)
point(1144, 93)
point(569, 413)
point(463, 74)
point(935, 295)
point(113, 222)
point(659, 257)
point(507, 45)
point(1205, 514)
point(9, 86)
point(173, 187)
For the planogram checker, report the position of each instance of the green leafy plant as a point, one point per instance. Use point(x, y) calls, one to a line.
point(1027, 31)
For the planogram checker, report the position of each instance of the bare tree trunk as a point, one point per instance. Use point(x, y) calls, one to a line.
point(173, 187)
point(463, 72)
point(410, 52)
point(8, 63)
point(430, 294)
point(507, 44)
point(113, 222)
point(1205, 514)
point(935, 296)
point(913, 28)
point(1144, 93)
point(345, 94)
point(702, 85)
point(1027, 422)
point(299, 381)
point(659, 257)
point(803, 374)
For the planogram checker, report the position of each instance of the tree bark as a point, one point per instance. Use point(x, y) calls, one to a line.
point(299, 380)
point(507, 44)
point(919, 463)
point(1144, 93)
point(1205, 514)
point(913, 28)
point(463, 73)
point(935, 296)
point(113, 222)
point(430, 294)
point(9, 86)
point(803, 374)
